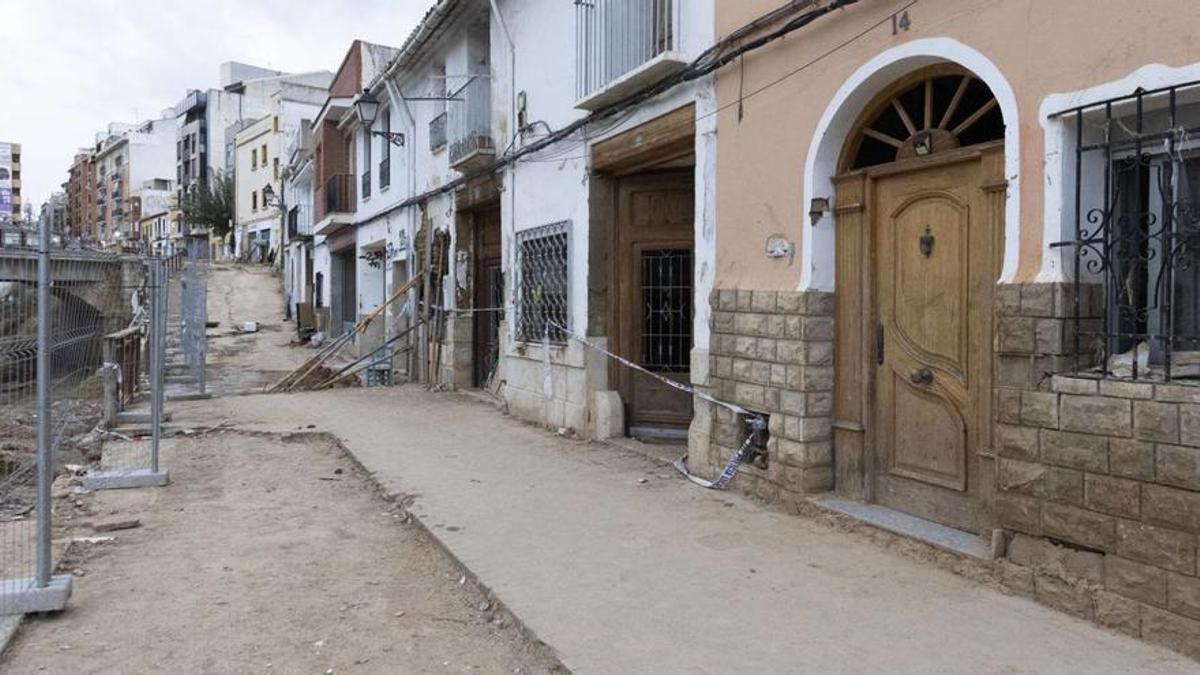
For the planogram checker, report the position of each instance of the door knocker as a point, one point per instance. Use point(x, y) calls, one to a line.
point(927, 240)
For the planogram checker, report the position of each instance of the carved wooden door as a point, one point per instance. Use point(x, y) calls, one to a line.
point(934, 273)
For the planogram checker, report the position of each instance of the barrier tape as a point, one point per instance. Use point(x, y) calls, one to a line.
point(731, 467)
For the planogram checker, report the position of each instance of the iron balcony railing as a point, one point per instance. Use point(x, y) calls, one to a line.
point(614, 37)
point(437, 133)
point(385, 172)
point(339, 194)
point(1135, 214)
point(300, 222)
point(471, 119)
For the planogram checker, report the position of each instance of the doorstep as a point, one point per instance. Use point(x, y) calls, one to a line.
point(897, 522)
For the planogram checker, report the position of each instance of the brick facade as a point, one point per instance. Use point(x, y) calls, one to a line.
point(771, 352)
point(1098, 480)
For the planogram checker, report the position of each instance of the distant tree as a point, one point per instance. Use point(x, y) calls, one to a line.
point(210, 204)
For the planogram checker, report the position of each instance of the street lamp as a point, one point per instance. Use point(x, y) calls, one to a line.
point(367, 107)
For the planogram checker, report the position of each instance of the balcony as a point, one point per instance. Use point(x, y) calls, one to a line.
point(385, 173)
point(337, 201)
point(437, 133)
point(470, 123)
point(623, 46)
point(300, 225)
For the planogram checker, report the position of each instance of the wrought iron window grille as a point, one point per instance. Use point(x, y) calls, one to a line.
point(542, 282)
point(1135, 209)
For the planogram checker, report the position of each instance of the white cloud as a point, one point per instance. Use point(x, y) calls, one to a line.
point(73, 66)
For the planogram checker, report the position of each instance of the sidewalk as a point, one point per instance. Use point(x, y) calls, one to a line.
point(620, 575)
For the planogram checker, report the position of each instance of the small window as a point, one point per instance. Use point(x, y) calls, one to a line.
point(263, 154)
point(253, 158)
point(542, 283)
point(254, 201)
point(275, 162)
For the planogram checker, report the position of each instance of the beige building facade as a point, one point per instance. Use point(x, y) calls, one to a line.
point(953, 272)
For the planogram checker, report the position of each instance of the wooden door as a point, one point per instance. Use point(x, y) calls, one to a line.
point(652, 317)
point(934, 266)
point(488, 294)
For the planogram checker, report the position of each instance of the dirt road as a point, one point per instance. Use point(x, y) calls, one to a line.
point(266, 554)
point(247, 362)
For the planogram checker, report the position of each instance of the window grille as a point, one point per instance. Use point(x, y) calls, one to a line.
point(1135, 209)
point(542, 287)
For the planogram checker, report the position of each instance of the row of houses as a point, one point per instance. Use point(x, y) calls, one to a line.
point(137, 185)
point(931, 264)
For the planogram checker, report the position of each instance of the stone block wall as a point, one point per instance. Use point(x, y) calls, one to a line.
point(771, 352)
point(1098, 480)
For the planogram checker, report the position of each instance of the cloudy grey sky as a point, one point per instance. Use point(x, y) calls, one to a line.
point(72, 66)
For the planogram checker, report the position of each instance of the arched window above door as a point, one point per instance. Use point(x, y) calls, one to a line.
point(933, 110)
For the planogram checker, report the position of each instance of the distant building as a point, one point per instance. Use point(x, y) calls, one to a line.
point(10, 182)
point(129, 155)
point(81, 196)
point(53, 214)
point(207, 122)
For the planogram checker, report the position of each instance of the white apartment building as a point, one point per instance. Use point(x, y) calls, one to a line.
point(570, 215)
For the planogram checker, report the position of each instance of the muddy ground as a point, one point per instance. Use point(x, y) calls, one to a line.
point(265, 554)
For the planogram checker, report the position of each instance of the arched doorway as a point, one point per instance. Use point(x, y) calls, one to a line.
point(919, 226)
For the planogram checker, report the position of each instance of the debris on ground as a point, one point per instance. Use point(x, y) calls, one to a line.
point(250, 327)
point(116, 525)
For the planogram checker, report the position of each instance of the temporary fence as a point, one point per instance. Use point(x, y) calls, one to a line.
point(77, 331)
point(187, 345)
point(131, 451)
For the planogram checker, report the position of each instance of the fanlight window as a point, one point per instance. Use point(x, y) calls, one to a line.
point(934, 113)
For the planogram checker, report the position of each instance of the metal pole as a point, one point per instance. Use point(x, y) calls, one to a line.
point(158, 318)
point(45, 454)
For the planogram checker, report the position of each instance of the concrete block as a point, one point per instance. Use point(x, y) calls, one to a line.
point(1008, 299)
point(1079, 526)
point(1015, 335)
point(1118, 613)
point(1070, 597)
point(22, 596)
point(1183, 595)
point(1154, 421)
point(1176, 393)
point(119, 480)
point(1019, 513)
point(1008, 406)
point(1178, 465)
point(1189, 425)
point(1039, 409)
point(1131, 458)
point(1135, 580)
point(1096, 415)
point(1123, 389)
point(763, 301)
point(1171, 507)
point(1171, 630)
point(1076, 451)
point(1064, 486)
point(1037, 299)
point(1114, 496)
point(1020, 477)
point(1065, 384)
point(1163, 547)
point(608, 415)
point(1017, 442)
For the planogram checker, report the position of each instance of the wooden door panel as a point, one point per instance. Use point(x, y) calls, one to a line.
point(929, 435)
point(930, 232)
point(933, 300)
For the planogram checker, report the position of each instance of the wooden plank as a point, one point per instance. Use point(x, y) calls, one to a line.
point(661, 139)
point(848, 408)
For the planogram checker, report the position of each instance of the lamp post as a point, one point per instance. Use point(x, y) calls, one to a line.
point(367, 107)
point(280, 201)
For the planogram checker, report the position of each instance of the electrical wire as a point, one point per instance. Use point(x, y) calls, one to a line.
point(709, 61)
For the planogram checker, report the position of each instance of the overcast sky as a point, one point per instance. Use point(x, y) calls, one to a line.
point(72, 66)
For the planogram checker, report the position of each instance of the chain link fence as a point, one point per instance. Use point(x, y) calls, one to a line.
point(187, 344)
